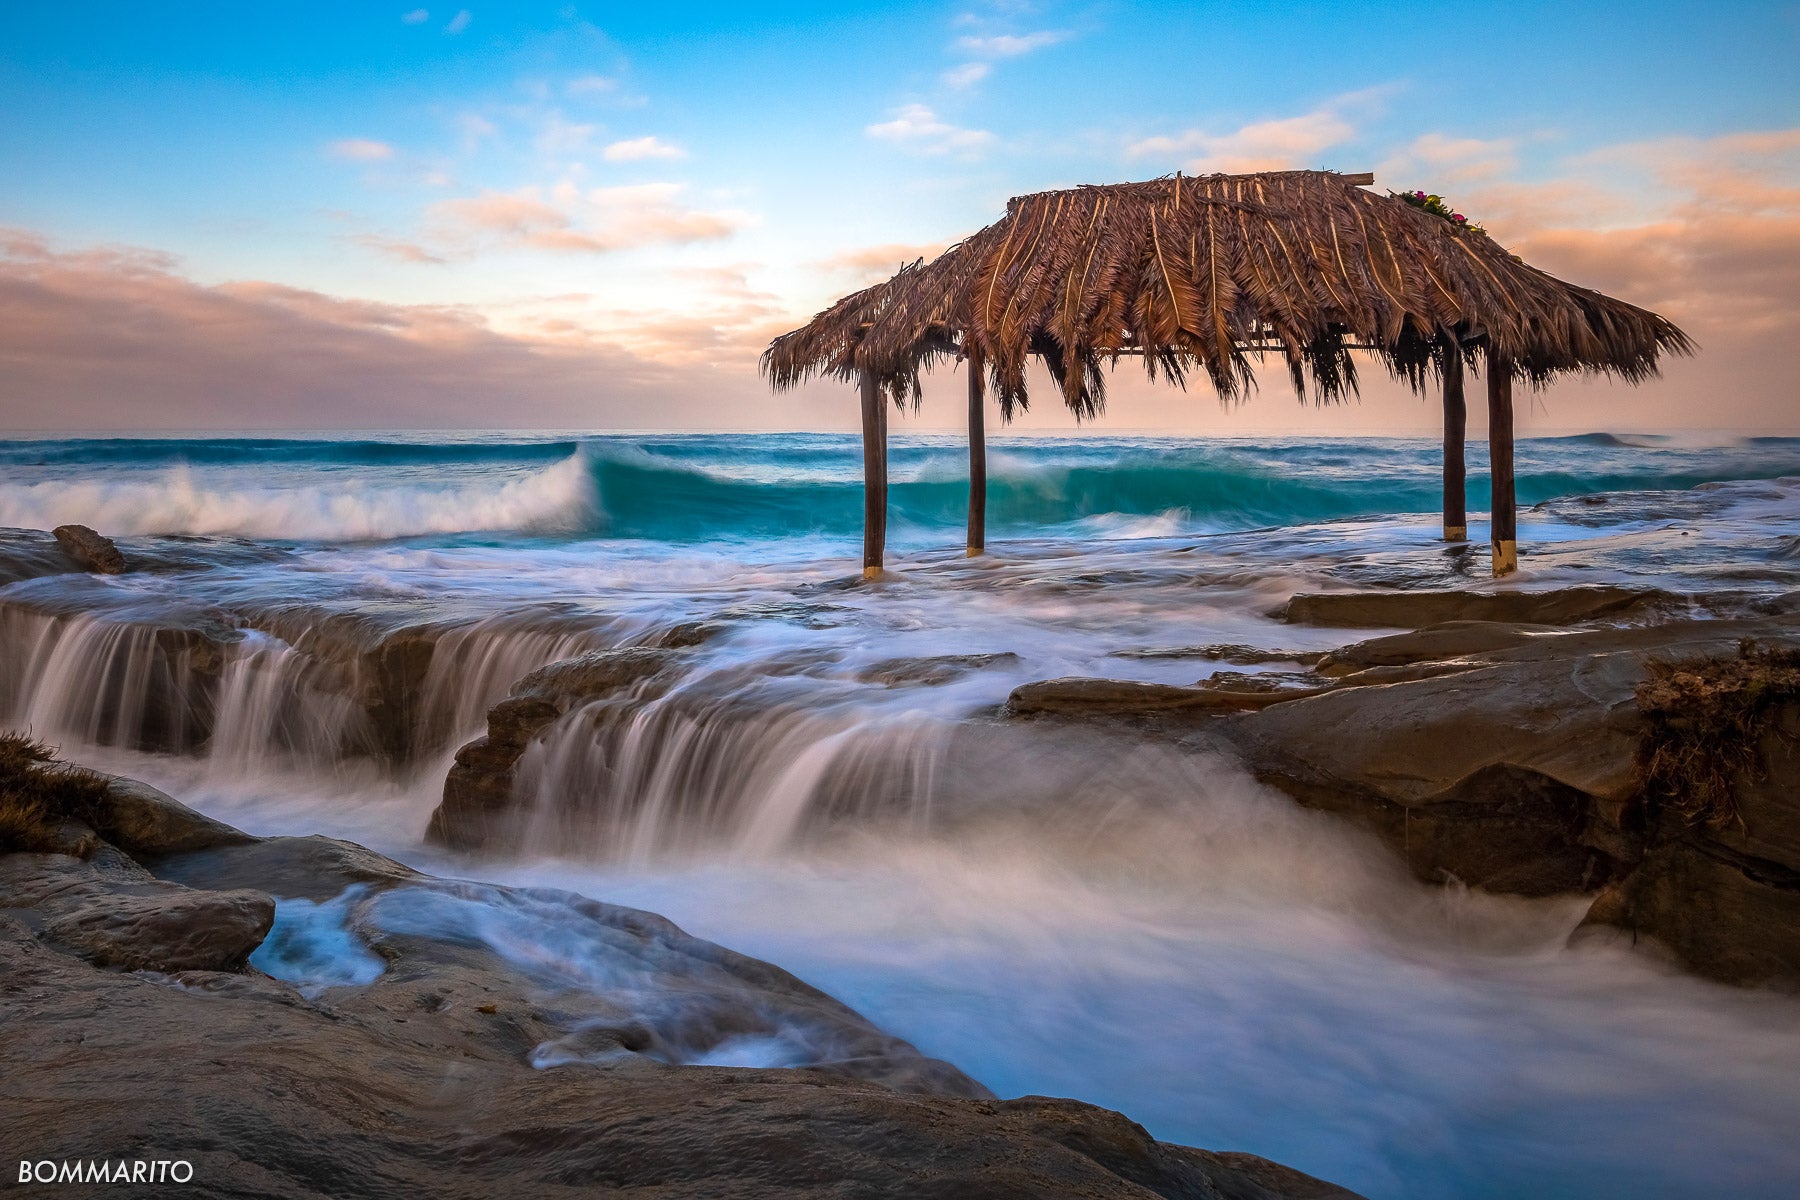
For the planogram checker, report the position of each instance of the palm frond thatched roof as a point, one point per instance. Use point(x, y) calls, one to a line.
point(1206, 273)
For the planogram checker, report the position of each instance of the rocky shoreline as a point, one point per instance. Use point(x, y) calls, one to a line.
point(1497, 743)
point(312, 1019)
point(413, 1048)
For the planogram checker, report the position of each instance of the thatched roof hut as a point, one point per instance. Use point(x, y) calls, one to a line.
point(1211, 274)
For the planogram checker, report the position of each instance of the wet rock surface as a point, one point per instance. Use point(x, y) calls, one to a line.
point(1505, 755)
point(1722, 890)
point(1434, 643)
point(427, 1037)
point(115, 916)
point(149, 823)
point(174, 929)
point(90, 550)
point(1412, 610)
point(1115, 696)
point(478, 791)
point(30, 554)
point(1231, 652)
point(930, 671)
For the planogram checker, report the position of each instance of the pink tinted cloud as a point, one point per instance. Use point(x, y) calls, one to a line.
point(872, 264)
point(641, 150)
point(398, 249)
point(1719, 251)
point(1271, 145)
point(117, 339)
point(599, 221)
point(360, 150)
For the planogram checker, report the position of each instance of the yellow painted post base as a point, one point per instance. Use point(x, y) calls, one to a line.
point(1506, 558)
point(870, 574)
point(976, 551)
point(1456, 533)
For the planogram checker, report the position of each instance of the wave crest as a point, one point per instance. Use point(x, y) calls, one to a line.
point(557, 498)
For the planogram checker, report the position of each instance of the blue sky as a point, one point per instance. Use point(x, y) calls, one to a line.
point(665, 187)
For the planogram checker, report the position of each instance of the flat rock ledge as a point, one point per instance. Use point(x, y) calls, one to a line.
point(463, 1060)
point(1413, 610)
point(1505, 754)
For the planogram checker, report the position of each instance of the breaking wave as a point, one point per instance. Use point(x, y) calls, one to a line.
point(180, 499)
point(708, 488)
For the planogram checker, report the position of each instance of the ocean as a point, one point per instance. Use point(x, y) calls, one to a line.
point(1151, 931)
point(781, 489)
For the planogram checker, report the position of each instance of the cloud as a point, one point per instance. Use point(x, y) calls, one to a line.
point(1751, 172)
point(459, 22)
point(1719, 253)
point(474, 128)
point(116, 339)
point(872, 264)
point(1272, 145)
point(966, 75)
point(590, 85)
point(1726, 277)
point(570, 221)
point(397, 249)
point(918, 128)
point(724, 321)
point(360, 150)
point(1008, 45)
point(641, 149)
point(560, 136)
point(417, 16)
point(1437, 162)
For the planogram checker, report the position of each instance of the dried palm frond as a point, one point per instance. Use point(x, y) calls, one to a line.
point(1207, 274)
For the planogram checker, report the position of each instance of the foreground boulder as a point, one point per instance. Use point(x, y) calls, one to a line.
point(1517, 771)
point(109, 911)
point(178, 929)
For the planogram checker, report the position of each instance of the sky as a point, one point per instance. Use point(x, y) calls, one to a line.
point(358, 215)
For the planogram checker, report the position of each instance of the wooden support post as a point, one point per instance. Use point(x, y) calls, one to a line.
point(874, 433)
point(1456, 421)
point(1504, 534)
point(977, 455)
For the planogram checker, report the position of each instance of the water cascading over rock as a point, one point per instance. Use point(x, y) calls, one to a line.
point(295, 688)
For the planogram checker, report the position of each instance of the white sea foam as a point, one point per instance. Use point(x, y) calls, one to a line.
point(184, 500)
